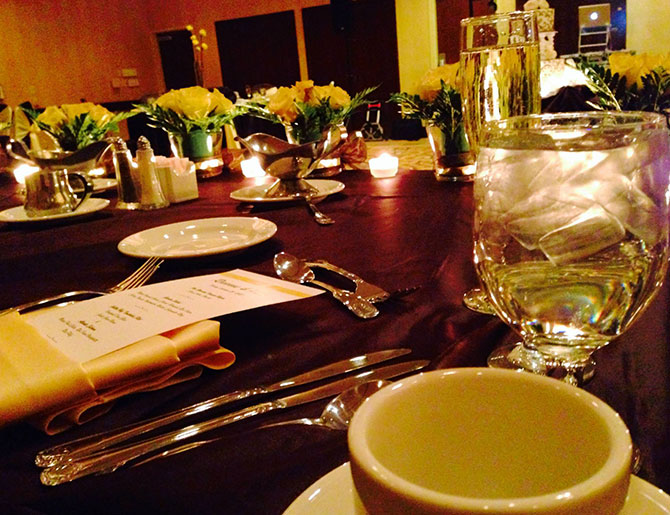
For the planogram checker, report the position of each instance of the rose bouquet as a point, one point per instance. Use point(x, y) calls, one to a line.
point(307, 110)
point(75, 126)
point(181, 111)
point(437, 103)
point(629, 82)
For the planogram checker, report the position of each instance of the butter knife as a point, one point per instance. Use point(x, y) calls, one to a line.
point(105, 463)
point(94, 443)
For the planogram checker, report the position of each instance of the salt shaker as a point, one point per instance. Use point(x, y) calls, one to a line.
point(151, 194)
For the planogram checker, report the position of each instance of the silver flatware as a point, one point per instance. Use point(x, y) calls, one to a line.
point(290, 268)
point(319, 217)
point(134, 280)
point(90, 444)
point(110, 461)
point(336, 416)
point(365, 289)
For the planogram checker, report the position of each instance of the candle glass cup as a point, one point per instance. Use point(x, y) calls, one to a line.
point(571, 230)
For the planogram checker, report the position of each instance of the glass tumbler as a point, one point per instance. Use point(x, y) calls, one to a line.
point(500, 77)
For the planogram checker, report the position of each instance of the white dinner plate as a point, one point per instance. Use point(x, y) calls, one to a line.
point(325, 187)
point(194, 238)
point(18, 214)
point(334, 494)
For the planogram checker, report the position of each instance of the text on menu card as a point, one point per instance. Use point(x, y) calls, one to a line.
point(90, 329)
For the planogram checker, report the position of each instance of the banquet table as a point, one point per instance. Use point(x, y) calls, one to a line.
point(400, 232)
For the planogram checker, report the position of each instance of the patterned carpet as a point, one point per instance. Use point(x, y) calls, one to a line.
point(414, 155)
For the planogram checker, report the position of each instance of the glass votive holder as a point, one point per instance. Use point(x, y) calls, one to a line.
point(383, 166)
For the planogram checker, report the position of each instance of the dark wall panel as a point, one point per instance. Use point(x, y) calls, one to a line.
point(355, 45)
point(258, 50)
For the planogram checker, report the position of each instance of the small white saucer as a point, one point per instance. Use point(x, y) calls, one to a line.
point(325, 187)
point(18, 214)
point(103, 184)
point(334, 494)
point(194, 238)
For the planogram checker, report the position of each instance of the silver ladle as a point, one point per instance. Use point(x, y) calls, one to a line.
point(336, 415)
point(291, 268)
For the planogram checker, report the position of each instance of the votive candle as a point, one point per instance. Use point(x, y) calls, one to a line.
point(385, 165)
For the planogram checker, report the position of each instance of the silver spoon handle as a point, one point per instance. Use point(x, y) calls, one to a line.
point(357, 305)
point(319, 217)
point(105, 463)
point(88, 445)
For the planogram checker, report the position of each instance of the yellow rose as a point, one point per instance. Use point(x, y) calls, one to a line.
point(282, 103)
point(336, 96)
point(170, 100)
point(195, 102)
point(74, 110)
point(431, 81)
point(52, 116)
point(220, 103)
point(100, 115)
point(303, 90)
point(630, 67)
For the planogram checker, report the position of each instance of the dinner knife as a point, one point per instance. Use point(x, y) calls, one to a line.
point(94, 443)
point(110, 461)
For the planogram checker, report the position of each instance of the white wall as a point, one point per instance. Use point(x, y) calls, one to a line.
point(648, 26)
point(416, 22)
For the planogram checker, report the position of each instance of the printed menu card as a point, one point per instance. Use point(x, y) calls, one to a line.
point(92, 328)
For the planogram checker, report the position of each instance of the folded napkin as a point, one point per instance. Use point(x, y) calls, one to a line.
point(40, 384)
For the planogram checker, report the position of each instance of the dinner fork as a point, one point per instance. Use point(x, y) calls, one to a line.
point(134, 280)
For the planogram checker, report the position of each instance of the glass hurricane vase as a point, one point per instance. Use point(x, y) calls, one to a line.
point(203, 148)
point(452, 158)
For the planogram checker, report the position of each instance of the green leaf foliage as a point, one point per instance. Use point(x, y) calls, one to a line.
point(445, 110)
point(171, 121)
point(613, 93)
point(80, 132)
point(312, 120)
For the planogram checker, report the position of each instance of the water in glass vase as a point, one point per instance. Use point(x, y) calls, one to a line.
point(498, 83)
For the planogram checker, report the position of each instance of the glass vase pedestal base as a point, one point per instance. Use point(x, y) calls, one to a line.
point(203, 148)
point(520, 358)
point(454, 167)
point(208, 168)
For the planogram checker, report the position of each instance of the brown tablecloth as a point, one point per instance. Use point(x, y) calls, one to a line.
point(400, 232)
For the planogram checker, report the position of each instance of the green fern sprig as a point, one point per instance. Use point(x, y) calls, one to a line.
point(171, 121)
point(80, 132)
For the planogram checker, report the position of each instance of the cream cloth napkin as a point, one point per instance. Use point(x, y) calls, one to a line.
point(42, 385)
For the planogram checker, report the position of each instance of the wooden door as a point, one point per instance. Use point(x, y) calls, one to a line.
point(176, 51)
point(355, 45)
point(258, 50)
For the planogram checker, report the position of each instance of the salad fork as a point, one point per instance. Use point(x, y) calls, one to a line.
point(134, 280)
